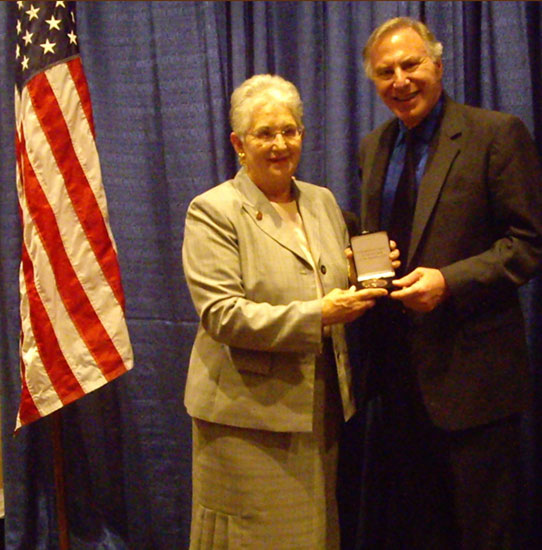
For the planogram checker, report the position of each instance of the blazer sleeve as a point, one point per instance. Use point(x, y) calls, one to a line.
point(214, 273)
point(514, 186)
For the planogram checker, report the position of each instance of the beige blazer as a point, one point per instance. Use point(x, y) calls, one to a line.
point(253, 360)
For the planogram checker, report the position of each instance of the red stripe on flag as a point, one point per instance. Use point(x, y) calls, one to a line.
point(60, 374)
point(75, 67)
point(84, 202)
point(28, 411)
point(69, 287)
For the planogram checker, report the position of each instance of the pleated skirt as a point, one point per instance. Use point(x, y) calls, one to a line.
point(262, 490)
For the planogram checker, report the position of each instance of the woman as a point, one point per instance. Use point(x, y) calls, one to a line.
point(269, 380)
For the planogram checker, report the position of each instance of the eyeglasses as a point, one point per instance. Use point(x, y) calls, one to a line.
point(268, 136)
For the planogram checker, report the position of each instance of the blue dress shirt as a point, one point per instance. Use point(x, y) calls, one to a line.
point(422, 135)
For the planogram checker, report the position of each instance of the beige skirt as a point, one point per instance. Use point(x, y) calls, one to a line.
point(262, 490)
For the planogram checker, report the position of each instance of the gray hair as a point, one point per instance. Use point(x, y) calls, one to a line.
point(432, 45)
point(257, 88)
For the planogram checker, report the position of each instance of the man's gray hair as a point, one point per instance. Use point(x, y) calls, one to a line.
point(432, 45)
point(259, 88)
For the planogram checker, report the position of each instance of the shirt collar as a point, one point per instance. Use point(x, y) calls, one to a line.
point(426, 129)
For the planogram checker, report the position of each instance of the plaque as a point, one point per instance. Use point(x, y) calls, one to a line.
point(372, 260)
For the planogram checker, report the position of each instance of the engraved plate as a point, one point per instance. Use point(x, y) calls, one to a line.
point(372, 260)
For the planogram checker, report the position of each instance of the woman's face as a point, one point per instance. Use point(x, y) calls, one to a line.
point(272, 146)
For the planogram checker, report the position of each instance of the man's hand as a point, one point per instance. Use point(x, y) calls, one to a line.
point(343, 306)
point(421, 290)
point(394, 255)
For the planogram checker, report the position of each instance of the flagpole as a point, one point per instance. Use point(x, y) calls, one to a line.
point(60, 487)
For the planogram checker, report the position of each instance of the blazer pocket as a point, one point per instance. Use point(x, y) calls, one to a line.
point(249, 360)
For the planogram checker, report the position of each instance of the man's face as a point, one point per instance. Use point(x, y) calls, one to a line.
point(406, 78)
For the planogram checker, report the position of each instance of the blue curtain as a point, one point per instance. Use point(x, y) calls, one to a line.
point(160, 76)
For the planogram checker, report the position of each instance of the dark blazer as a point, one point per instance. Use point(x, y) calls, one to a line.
point(478, 219)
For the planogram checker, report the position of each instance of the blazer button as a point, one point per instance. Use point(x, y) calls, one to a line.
point(259, 215)
point(323, 269)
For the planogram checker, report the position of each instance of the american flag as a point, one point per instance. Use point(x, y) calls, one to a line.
point(74, 337)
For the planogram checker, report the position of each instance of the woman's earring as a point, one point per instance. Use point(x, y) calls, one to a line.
point(242, 157)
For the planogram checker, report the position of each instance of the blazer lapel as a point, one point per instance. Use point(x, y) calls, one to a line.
point(311, 222)
point(444, 149)
point(378, 159)
point(258, 207)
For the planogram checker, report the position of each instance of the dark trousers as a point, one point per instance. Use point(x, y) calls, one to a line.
point(427, 488)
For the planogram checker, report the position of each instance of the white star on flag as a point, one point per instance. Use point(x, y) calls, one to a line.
point(27, 37)
point(53, 23)
point(48, 47)
point(33, 13)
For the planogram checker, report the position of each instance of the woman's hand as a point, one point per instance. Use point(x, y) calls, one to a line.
point(343, 306)
point(352, 275)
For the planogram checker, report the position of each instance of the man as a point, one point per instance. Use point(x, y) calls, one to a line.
point(448, 350)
